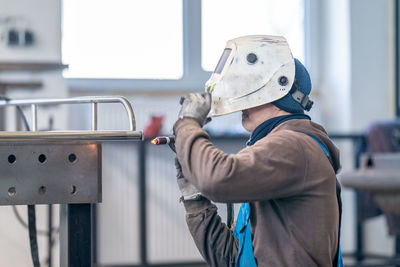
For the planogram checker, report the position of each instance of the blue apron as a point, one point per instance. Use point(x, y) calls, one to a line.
point(243, 231)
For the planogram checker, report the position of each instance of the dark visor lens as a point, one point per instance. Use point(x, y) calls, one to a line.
point(222, 60)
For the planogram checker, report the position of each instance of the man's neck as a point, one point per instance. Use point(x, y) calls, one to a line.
point(268, 113)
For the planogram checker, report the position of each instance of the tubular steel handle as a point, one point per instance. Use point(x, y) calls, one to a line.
point(70, 136)
point(76, 100)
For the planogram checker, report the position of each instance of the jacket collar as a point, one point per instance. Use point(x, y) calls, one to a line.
point(267, 126)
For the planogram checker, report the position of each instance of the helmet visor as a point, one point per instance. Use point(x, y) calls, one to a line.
point(222, 60)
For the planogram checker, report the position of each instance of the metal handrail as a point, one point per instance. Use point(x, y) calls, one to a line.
point(94, 134)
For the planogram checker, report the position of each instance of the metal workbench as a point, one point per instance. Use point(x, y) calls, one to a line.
point(60, 167)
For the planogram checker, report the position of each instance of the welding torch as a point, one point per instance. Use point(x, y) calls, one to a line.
point(165, 140)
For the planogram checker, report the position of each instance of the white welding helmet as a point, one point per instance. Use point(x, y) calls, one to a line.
point(252, 71)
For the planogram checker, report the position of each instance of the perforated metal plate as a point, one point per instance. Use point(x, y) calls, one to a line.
point(50, 173)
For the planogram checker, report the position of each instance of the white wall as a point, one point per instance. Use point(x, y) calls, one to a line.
point(372, 86)
point(351, 61)
point(329, 62)
point(372, 59)
point(43, 17)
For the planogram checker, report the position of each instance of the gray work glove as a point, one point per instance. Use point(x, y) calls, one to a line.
point(196, 105)
point(188, 190)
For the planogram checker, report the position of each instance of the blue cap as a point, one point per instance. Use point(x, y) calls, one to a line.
point(303, 82)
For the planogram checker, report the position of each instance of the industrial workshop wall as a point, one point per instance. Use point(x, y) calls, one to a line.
point(373, 61)
point(30, 67)
point(372, 40)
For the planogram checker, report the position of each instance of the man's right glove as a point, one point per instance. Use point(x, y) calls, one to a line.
point(197, 106)
point(188, 190)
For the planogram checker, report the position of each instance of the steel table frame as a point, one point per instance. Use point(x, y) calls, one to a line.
point(76, 223)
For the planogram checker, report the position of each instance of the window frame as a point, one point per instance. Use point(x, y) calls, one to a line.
point(194, 76)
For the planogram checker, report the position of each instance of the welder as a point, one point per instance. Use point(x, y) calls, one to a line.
point(285, 177)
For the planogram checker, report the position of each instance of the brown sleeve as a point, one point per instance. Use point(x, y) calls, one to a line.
point(213, 239)
point(272, 168)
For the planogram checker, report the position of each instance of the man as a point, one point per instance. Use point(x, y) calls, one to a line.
point(285, 176)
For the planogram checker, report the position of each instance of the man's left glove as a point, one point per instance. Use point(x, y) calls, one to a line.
point(197, 106)
point(188, 190)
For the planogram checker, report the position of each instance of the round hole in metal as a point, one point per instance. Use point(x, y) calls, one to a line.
point(12, 158)
point(72, 157)
point(72, 189)
point(12, 191)
point(42, 158)
point(42, 190)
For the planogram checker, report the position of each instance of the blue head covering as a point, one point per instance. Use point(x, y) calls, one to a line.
point(303, 82)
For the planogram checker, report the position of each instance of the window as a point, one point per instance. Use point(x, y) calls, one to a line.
point(123, 39)
point(147, 45)
point(223, 20)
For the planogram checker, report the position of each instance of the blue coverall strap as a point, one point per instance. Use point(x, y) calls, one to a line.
point(339, 253)
point(242, 232)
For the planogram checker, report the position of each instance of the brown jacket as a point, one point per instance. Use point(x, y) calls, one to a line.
point(290, 185)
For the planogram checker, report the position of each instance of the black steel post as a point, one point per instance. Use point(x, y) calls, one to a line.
point(94, 234)
point(359, 253)
point(50, 235)
point(142, 204)
point(76, 235)
point(397, 251)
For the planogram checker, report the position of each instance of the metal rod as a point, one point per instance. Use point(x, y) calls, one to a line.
point(34, 118)
point(77, 100)
point(71, 136)
point(94, 116)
